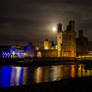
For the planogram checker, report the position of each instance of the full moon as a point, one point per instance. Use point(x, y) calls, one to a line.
point(54, 29)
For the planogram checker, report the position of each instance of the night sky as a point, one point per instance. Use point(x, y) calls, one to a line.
point(32, 20)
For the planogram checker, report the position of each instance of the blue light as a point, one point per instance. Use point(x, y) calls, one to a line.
point(6, 54)
point(13, 49)
point(5, 76)
point(21, 77)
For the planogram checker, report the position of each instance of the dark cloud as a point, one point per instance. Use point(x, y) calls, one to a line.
point(32, 19)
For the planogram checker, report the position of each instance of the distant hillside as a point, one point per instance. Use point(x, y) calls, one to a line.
point(90, 45)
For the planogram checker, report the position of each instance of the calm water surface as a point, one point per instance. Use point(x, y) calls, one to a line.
point(11, 76)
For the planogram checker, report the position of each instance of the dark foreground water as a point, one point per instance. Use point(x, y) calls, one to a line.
point(12, 76)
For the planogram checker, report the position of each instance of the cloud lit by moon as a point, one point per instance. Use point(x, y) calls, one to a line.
point(31, 20)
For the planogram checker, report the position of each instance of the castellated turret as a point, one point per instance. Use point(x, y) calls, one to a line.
point(59, 38)
point(69, 41)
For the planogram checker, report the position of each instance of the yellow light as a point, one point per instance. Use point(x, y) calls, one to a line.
point(39, 54)
point(46, 48)
point(13, 53)
point(25, 54)
point(37, 48)
point(54, 29)
point(56, 46)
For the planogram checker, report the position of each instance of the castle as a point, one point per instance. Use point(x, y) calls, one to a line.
point(67, 43)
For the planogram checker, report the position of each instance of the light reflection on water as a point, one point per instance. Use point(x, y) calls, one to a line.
point(12, 76)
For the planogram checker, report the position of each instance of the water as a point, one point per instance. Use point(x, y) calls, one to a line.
point(14, 76)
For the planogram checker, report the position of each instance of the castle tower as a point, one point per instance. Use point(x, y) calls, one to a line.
point(82, 44)
point(69, 41)
point(59, 38)
point(47, 44)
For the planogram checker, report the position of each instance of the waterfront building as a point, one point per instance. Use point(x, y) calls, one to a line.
point(17, 52)
point(49, 53)
point(30, 50)
point(59, 39)
point(5, 51)
point(47, 44)
point(11, 52)
point(69, 41)
point(82, 44)
point(50, 49)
